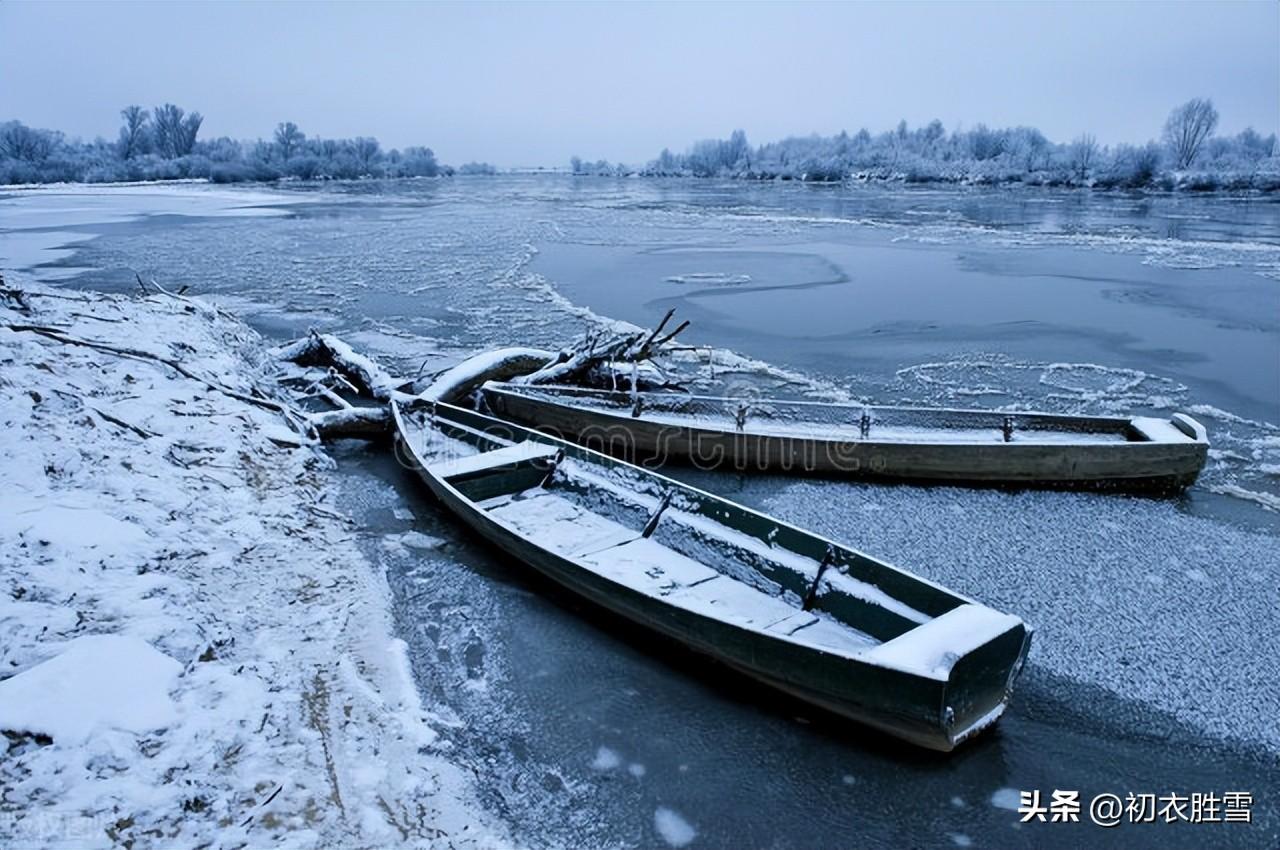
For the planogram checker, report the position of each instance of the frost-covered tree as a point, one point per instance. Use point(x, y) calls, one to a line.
point(1254, 146)
point(1081, 155)
point(166, 128)
point(367, 152)
point(418, 162)
point(1187, 128)
point(134, 134)
point(1032, 147)
point(289, 139)
point(985, 143)
point(26, 144)
point(173, 131)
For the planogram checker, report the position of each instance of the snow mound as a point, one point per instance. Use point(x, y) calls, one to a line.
point(96, 682)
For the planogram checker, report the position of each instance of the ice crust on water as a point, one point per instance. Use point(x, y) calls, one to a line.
point(1119, 564)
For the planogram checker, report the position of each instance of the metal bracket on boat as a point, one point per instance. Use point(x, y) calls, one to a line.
point(827, 560)
point(864, 423)
point(552, 464)
point(637, 407)
point(1007, 429)
point(651, 524)
point(740, 418)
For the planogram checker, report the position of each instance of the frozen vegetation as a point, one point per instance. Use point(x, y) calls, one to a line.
point(163, 144)
point(193, 649)
point(1188, 156)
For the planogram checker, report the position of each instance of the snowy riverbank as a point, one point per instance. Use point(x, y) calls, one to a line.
point(193, 649)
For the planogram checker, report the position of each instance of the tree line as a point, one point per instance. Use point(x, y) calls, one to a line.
point(164, 143)
point(1188, 156)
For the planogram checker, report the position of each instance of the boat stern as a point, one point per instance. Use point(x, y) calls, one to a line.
point(974, 654)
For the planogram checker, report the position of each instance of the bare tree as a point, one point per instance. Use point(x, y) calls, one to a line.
point(166, 128)
point(289, 139)
point(1084, 150)
point(1187, 128)
point(190, 129)
point(133, 135)
point(173, 131)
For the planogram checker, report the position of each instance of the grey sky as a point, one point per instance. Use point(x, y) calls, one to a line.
point(533, 84)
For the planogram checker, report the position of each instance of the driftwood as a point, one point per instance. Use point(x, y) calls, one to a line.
point(599, 353)
point(503, 364)
point(326, 350)
point(361, 422)
point(598, 358)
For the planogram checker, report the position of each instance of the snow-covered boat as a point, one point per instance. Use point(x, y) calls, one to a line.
point(890, 443)
point(811, 617)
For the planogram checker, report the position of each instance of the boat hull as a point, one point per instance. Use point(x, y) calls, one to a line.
point(1136, 465)
point(933, 713)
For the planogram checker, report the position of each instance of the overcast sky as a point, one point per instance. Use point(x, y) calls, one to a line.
point(529, 84)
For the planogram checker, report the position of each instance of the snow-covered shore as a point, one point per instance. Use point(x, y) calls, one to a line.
point(193, 650)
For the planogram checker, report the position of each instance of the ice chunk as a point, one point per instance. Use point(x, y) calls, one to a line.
point(673, 828)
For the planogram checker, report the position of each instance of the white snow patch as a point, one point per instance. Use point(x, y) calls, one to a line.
point(1007, 798)
point(418, 540)
point(673, 828)
point(606, 759)
point(97, 681)
point(637, 770)
point(181, 530)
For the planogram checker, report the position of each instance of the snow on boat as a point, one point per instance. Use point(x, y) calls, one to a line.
point(808, 616)
point(923, 445)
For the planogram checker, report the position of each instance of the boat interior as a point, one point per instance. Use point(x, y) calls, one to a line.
point(694, 551)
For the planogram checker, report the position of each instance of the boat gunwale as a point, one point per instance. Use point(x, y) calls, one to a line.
point(530, 391)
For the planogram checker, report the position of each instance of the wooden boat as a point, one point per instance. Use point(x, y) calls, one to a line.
point(808, 616)
point(923, 445)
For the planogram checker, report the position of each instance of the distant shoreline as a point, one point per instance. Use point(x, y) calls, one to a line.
point(1188, 186)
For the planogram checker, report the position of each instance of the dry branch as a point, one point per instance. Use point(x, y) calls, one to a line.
point(597, 358)
point(598, 353)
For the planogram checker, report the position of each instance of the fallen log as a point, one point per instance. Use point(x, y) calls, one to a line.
point(317, 349)
point(368, 423)
point(459, 382)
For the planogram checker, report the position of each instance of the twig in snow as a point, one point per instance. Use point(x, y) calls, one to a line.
point(115, 420)
point(57, 335)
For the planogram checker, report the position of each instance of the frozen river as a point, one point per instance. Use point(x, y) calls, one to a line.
point(1154, 664)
